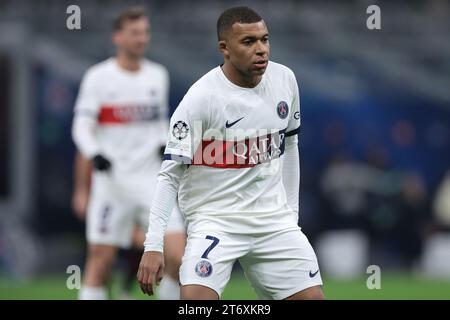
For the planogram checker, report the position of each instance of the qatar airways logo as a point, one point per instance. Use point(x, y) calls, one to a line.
point(122, 114)
point(230, 148)
point(135, 113)
point(263, 148)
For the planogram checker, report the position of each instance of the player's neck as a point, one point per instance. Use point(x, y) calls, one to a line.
point(127, 63)
point(238, 78)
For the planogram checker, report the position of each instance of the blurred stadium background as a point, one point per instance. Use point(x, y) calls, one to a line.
point(375, 140)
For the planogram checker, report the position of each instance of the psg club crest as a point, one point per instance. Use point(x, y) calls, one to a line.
point(180, 130)
point(203, 268)
point(282, 109)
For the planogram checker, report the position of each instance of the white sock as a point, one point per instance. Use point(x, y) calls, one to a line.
point(92, 293)
point(169, 289)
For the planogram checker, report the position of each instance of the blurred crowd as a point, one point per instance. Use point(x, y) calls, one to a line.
point(394, 207)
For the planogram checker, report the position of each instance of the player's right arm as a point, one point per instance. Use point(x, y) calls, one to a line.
point(151, 268)
point(180, 148)
point(85, 122)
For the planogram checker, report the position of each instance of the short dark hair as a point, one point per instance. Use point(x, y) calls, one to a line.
point(130, 14)
point(233, 15)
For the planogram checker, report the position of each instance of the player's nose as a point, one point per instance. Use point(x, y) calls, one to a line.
point(262, 49)
point(143, 38)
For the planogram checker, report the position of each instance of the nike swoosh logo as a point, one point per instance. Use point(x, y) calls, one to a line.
point(312, 275)
point(228, 125)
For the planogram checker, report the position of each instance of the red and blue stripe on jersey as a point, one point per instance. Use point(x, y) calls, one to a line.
point(232, 154)
point(123, 114)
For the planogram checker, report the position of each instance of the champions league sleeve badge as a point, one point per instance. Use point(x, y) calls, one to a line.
point(203, 268)
point(282, 109)
point(180, 130)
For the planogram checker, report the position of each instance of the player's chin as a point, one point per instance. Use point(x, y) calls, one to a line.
point(258, 71)
point(138, 52)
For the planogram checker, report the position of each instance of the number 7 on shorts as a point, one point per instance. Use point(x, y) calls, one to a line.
point(208, 250)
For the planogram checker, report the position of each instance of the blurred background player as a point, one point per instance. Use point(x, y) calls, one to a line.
point(80, 199)
point(120, 125)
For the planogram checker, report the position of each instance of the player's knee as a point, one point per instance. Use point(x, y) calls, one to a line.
point(173, 258)
point(312, 293)
point(98, 264)
point(316, 294)
point(173, 253)
point(198, 292)
point(172, 265)
point(101, 255)
point(138, 238)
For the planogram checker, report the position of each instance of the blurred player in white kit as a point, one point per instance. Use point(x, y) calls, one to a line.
point(120, 125)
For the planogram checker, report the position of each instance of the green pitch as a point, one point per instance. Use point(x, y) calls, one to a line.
point(393, 286)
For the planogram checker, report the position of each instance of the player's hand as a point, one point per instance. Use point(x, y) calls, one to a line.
point(80, 200)
point(100, 163)
point(151, 270)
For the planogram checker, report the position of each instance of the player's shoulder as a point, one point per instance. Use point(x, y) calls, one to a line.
point(99, 70)
point(102, 66)
point(197, 99)
point(155, 67)
point(276, 69)
point(203, 87)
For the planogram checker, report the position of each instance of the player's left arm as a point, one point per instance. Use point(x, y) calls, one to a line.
point(291, 161)
point(82, 184)
point(151, 267)
point(291, 172)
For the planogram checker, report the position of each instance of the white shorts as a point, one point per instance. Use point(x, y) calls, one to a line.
point(112, 216)
point(277, 265)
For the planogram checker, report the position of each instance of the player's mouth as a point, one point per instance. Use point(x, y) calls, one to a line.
point(260, 64)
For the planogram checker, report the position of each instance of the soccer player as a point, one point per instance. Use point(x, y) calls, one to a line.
point(120, 125)
point(232, 158)
point(80, 200)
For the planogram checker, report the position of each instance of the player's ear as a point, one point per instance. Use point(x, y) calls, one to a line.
point(223, 48)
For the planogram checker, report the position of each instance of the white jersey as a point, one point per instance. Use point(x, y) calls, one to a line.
point(233, 139)
point(130, 111)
